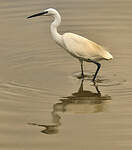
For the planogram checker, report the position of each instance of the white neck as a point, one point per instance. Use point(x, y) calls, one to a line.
point(53, 28)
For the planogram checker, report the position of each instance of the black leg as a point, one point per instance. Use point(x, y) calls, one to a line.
point(98, 67)
point(82, 74)
point(97, 89)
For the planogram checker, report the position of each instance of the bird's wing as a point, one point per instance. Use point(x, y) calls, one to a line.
point(83, 48)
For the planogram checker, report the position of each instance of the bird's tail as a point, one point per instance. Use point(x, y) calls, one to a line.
point(108, 56)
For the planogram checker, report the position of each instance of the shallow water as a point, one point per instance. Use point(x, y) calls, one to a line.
point(43, 104)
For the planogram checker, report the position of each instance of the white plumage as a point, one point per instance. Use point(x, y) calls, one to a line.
point(84, 49)
point(78, 46)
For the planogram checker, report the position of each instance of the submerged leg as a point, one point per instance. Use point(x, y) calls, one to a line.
point(98, 67)
point(81, 87)
point(82, 74)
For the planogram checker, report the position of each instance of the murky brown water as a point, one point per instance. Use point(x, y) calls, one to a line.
point(42, 103)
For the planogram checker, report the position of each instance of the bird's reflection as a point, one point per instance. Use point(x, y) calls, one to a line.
point(82, 101)
point(50, 129)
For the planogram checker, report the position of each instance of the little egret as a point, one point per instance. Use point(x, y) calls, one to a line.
point(76, 45)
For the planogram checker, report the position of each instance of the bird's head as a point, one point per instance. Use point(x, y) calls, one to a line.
point(46, 12)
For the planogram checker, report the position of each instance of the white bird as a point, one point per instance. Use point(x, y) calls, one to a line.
point(76, 45)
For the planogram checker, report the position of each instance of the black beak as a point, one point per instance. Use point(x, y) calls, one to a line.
point(39, 14)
